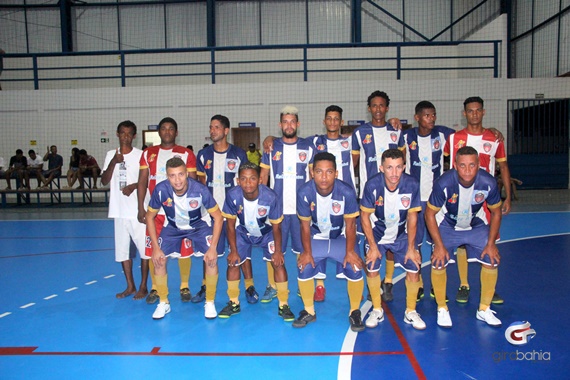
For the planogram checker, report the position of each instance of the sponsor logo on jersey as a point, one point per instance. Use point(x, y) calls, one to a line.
point(321, 147)
point(394, 136)
point(460, 144)
point(479, 197)
point(519, 333)
point(405, 201)
point(312, 206)
point(379, 201)
point(453, 199)
point(231, 164)
point(208, 164)
point(261, 211)
point(193, 204)
point(344, 144)
point(413, 145)
point(367, 139)
point(336, 207)
point(302, 156)
point(487, 147)
point(152, 157)
point(167, 203)
point(277, 156)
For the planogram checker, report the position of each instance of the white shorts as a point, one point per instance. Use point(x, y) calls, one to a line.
point(125, 231)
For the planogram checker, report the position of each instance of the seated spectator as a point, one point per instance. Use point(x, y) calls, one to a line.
point(73, 171)
point(18, 164)
point(2, 172)
point(88, 166)
point(34, 169)
point(55, 163)
point(253, 155)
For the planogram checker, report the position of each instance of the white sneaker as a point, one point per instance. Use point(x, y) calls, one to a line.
point(414, 319)
point(376, 316)
point(488, 317)
point(162, 309)
point(443, 318)
point(210, 310)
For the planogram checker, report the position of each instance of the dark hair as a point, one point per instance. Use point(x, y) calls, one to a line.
point(424, 105)
point(246, 165)
point(175, 162)
point(473, 99)
point(333, 108)
point(393, 154)
point(379, 94)
point(222, 119)
point(324, 156)
point(83, 152)
point(168, 120)
point(127, 124)
point(19, 151)
point(31, 151)
point(466, 151)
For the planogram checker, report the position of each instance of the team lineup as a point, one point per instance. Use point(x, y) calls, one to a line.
point(381, 190)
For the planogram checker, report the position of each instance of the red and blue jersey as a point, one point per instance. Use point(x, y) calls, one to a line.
point(462, 208)
point(342, 150)
point(389, 209)
point(489, 148)
point(327, 213)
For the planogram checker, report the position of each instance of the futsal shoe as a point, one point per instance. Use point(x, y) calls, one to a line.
point(152, 297)
point(462, 294)
point(210, 310)
point(443, 318)
point(269, 294)
point(200, 296)
point(286, 313)
point(355, 320)
point(185, 295)
point(414, 319)
point(304, 319)
point(320, 293)
point(230, 309)
point(162, 309)
point(432, 295)
point(387, 295)
point(420, 294)
point(488, 316)
point(375, 317)
point(497, 299)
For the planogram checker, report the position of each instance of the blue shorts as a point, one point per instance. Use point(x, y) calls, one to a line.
point(291, 226)
point(329, 249)
point(198, 239)
point(399, 248)
point(246, 242)
point(474, 240)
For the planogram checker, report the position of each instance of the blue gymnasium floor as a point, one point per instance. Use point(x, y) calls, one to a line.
point(59, 318)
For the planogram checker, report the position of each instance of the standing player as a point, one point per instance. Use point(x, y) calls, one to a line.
point(369, 141)
point(491, 149)
point(288, 164)
point(121, 170)
point(186, 204)
point(327, 208)
point(455, 217)
point(217, 166)
point(152, 172)
point(391, 200)
point(254, 217)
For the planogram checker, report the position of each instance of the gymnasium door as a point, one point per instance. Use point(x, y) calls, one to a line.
point(243, 136)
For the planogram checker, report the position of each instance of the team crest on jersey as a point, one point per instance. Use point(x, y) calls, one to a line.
point(167, 203)
point(232, 164)
point(187, 243)
point(302, 156)
point(460, 144)
point(344, 144)
point(487, 147)
point(405, 201)
point(271, 247)
point(152, 157)
point(436, 144)
point(209, 240)
point(367, 139)
point(208, 164)
point(479, 197)
point(261, 211)
point(277, 156)
point(413, 145)
point(194, 204)
point(312, 206)
point(321, 147)
point(336, 207)
point(379, 201)
point(453, 199)
point(394, 136)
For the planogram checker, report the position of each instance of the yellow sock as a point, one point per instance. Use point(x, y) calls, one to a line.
point(248, 282)
point(439, 283)
point(211, 285)
point(162, 286)
point(233, 291)
point(461, 258)
point(374, 289)
point(184, 265)
point(321, 283)
point(421, 280)
point(271, 275)
point(488, 282)
point(307, 289)
point(283, 292)
point(151, 271)
point(411, 295)
point(389, 271)
point(355, 289)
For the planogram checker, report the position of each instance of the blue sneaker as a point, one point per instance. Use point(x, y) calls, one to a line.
point(269, 294)
point(200, 296)
point(251, 295)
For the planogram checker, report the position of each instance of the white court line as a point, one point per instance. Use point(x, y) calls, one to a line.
point(71, 289)
point(91, 282)
point(50, 297)
point(109, 276)
point(5, 314)
point(27, 305)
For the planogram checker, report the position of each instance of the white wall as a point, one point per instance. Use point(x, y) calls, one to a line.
point(59, 116)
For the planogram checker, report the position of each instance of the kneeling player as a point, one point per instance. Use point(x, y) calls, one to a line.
point(186, 203)
point(328, 209)
point(259, 215)
point(391, 200)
